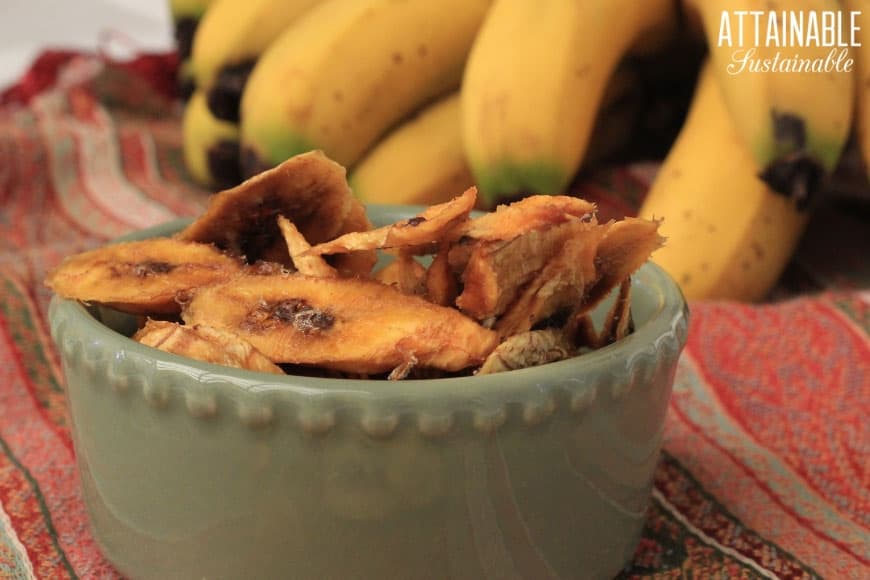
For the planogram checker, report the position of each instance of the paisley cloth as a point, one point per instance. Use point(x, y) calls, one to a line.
point(767, 442)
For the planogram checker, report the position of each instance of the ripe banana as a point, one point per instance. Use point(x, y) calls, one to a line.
point(186, 15)
point(422, 160)
point(795, 124)
point(348, 70)
point(211, 146)
point(533, 84)
point(729, 235)
point(192, 9)
point(618, 117)
point(419, 162)
point(862, 80)
point(230, 38)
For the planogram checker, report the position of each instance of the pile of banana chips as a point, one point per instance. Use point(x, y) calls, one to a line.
point(279, 275)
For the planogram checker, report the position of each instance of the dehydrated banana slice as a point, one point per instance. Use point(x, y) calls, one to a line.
point(528, 214)
point(527, 349)
point(405, 274)
point(559, 285)
point(310, 189)
point(297, 246)
point(441, 283)
point(355, 263)
point(625, 247)
point(205, 343)
point(346, 324)
point(416, 234)
point(497, 271)
point(618, 323)
point(142, 277)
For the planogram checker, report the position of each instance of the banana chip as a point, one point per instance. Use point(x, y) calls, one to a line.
point(205, 343)
point(416, 234)
point(528, 349)
point(310, 189)
point(278, 271)
point(143, 277)
point(441, 283)
point(344, 324)
point(526, 215)
point(624, 248)
point(355, 263)
point(618, 323)
point(559, 285)
point(297, 245)
point(495, 272)
point(405, 274)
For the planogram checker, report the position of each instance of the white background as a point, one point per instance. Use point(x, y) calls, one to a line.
point(120, 26)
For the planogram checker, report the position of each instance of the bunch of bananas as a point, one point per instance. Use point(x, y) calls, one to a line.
point(421, 99)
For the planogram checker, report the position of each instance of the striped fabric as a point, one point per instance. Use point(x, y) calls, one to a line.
point(765, 468)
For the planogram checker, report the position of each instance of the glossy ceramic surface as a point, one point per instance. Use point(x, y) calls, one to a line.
point(191, 470)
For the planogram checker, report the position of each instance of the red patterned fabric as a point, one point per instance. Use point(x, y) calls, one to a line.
point(764, 472)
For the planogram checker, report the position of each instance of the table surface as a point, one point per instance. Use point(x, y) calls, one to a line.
point(764, 471)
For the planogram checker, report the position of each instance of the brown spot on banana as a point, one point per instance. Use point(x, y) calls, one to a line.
point(789, 130)
point(225, 95)
point(798, 174)
point(222, 159)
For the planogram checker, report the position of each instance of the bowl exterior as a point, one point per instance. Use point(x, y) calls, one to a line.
point(190, 470)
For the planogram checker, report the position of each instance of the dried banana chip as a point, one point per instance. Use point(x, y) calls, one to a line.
point(346, 324)
point(441, 283)
point(496, 271)
point(532, 213)
point(205, 343)
point(310, 189)
point(297, 246)
point(618, 322)
point(528, 349)
point(417, 234)
point(355, 263)
point(405, 274)
point(625, 247)
point(559, 285)
point(142, 277)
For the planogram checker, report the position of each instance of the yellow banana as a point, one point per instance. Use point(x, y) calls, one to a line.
point(795, 123)
point(861, 55)
point(617, 120)
point(211, 146)
point(420, 162)
point(186, 15)
point(180, 9)
point(348, 70)
point(729, 236)
point(228, 41)
point(534, 82)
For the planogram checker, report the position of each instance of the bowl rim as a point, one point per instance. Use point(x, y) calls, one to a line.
point(667, 326)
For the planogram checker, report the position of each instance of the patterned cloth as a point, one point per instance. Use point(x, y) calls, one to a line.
point(765, 467)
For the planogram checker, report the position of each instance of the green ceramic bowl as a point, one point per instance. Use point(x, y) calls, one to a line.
point(191, 470)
